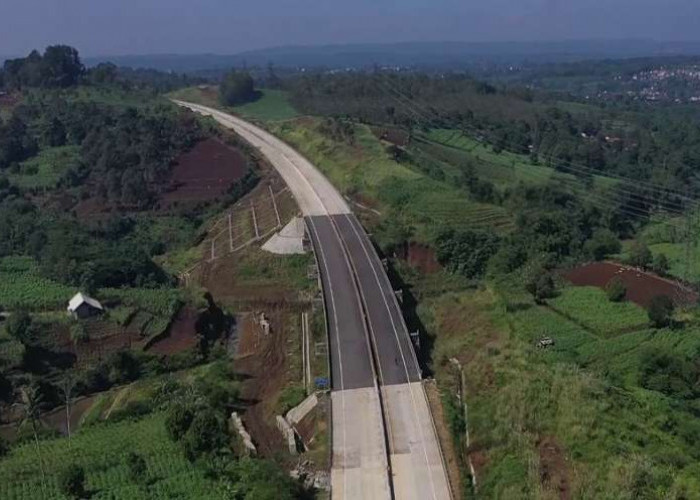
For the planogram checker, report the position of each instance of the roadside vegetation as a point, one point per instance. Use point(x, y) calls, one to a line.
point(572, 391)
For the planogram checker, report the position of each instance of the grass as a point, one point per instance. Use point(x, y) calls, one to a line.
point(258, 268)
point(365, 167)
point(590, 307)
point(101, 451)
point(273, 105)
point(504, 168)
point(45, 170)
point(584, 393)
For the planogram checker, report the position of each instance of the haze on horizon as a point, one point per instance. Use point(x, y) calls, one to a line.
point(227, 27)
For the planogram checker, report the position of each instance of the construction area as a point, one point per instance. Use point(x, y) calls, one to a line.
point(256, 262)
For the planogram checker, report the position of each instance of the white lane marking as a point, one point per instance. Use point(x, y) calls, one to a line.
point(340, 358)
point(416, 419)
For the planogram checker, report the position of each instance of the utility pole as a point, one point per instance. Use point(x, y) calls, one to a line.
point(274, 204)
point(230, 233)
point(255, 220)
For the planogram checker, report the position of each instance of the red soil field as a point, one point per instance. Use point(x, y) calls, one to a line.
point(205, 172)
point(641, 286)
point(182, 335)
point(422, 257)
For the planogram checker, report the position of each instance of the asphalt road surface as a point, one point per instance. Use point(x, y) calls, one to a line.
point(384, 440)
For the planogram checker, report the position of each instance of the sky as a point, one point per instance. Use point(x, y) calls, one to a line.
point(120, 27)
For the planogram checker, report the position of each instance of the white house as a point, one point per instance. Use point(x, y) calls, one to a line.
point(82, 306)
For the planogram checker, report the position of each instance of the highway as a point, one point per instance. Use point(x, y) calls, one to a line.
point(383, 437)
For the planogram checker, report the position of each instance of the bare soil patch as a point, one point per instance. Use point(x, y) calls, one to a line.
point(641, 286)
point(265, 374)
point(421, 257)
point(181, 336)
point(396, 136)
point(204, 173)
point(554, 473)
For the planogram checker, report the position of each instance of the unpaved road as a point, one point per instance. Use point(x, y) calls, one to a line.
point(384, 439)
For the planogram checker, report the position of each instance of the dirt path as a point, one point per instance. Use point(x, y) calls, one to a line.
point(262, 363)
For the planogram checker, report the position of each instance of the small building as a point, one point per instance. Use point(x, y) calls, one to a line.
point(82, 306)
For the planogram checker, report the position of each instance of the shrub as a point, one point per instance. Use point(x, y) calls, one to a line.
point(541, 286)
point(603, 243)
point(660, 311)
point(660, 264)
point(78, 333)
point(178, 421)
point(206, 434)
point(640, 255)
point(290, 397)
point(138, 471)
point(72, 481)
point(616, 290)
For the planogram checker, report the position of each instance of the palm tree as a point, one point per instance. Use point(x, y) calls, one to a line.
point(67, 387)
point(31, 402)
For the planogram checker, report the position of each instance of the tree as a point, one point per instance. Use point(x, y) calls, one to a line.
point(67, 388)
point(640, 255)
point(616, 290)
point(72, 481)
point(138, 471)
point(660, 264)
point(236, 88)
point(61, 66)
point(660, 311)
point(30, 404)
point(541, 286)
point(602, 243)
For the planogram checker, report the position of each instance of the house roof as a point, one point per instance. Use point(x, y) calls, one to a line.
point(79, 299)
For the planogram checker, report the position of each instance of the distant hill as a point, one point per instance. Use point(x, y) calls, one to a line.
point(413, 54)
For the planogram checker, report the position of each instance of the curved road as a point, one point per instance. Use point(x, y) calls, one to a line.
point(384, 439)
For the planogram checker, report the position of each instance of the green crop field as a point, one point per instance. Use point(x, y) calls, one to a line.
point(23, 287)
point(101, 451)
point(590, 307)
point(45, 169)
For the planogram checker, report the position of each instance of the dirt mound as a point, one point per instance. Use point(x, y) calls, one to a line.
point(641, 286)
point(204, 173)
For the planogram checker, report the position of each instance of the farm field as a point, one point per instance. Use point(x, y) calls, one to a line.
point(45, 170)
point(204, 173)
point(272, 105)
point(504, 168)
point(590, 307)
point(101, 451)
point(641, 286)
